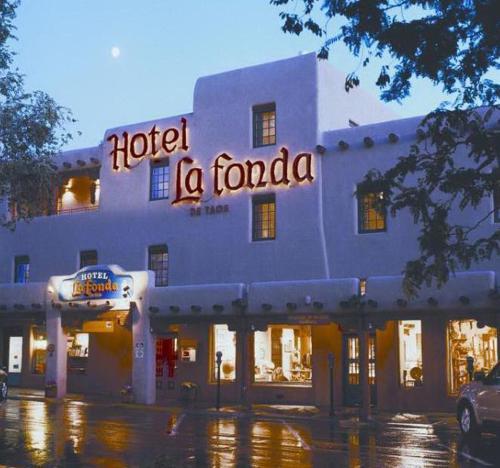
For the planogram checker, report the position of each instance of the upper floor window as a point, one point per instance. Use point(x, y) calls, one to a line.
point(371, 218)
point(263, 217)
point(158, 262)
point(264, 125)
point(79, 191)
point(496, 204)
point(88, 258)
point(21, 269)
point(160, 179)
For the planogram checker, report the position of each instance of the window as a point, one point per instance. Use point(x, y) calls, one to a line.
point(78, 353)
point(88, 258)
point(225, 342)
point(263, 217)
point(283, 354)
point(362, 286)
point(353, 124)
point(160, 179)
point(21, 269)
point(370, 216)
point(264, 125)
point(158, 262)
point(496, 204)
point(410, 353)
point(469, 342)
point(39, 347)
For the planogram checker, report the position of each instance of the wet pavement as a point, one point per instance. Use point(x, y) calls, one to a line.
point(75, 433)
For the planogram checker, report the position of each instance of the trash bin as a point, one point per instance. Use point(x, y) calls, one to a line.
point(189, 391)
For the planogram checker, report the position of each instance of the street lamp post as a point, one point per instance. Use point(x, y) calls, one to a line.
point(218, 361)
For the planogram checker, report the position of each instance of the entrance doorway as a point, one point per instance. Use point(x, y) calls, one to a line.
point(350, 365)
point(166, 355)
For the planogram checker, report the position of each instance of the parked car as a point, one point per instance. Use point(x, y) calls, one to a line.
point(4, 389)
point(478, 404)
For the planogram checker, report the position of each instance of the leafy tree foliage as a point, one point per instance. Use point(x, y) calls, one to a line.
point(31, 133)
point(454, 163)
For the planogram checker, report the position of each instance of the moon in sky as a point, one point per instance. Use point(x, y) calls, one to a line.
point(115, 52)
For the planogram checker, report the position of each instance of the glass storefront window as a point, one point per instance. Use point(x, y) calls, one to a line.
point(283, 354)
point(78, 352)
point(39, 347)
point(466, 339)
point(225, 341)
point(410, 353)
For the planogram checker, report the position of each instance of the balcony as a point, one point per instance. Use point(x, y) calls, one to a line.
point(78, 194)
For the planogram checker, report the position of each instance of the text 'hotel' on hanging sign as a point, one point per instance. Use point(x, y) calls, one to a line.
point(227, 175)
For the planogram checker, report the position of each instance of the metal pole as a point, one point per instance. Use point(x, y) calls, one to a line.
point(218, 360)
point(331, 364)
point(364, 344)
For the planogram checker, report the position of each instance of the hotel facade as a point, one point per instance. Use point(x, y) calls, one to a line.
point(236, 229)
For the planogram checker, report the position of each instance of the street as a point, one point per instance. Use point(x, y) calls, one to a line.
point(75, 433)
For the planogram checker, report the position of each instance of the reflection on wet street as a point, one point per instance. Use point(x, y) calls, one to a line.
point(73, 433)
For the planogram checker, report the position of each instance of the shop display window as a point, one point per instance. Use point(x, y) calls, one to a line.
point(467, 340)
point(224, 341)
point(283, 354)
point(188, 350)
point(78, 352)
point(410, 353)
point(39, 353)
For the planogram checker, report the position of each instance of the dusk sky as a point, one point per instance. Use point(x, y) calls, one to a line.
point(115, 62)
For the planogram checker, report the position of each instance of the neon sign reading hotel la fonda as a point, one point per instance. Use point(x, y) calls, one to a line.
point(227, 175)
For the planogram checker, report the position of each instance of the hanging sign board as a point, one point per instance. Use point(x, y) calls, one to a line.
point(98, 326)
point(96, 282)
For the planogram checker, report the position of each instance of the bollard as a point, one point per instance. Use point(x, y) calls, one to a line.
point(331, 364)
point(470, 367)
point(218, 361)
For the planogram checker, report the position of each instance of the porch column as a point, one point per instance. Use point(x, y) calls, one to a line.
point(143, 354)
point(364, 410)
point(57, 352)
point(242, 352)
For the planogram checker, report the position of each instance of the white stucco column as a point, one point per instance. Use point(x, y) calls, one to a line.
point(143, 343)
point(57, 353)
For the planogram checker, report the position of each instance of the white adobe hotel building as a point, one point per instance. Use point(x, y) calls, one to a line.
point(198, 252)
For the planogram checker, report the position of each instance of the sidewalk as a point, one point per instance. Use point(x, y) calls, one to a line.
point(344, 417)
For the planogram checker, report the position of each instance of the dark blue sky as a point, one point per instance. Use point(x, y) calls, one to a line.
point(64, 48)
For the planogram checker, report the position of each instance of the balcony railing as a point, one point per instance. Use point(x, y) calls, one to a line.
point(80, 209)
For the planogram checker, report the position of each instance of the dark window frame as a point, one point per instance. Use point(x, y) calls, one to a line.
point(88, 253)
point(257, 227)
point(360, 198)
point(159, 164)
point(496, 204)
point(258, 126)
point(18, 261)
point(159, 249)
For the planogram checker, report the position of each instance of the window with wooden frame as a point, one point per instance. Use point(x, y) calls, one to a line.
point(263, 217)
point(264, 125)
point(158, 262)
point(371, 217)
